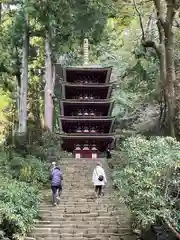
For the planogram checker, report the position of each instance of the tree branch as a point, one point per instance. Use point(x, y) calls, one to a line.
point(145, 43)
point(160, 16)
point(176, 23)
point(151, 44)
point(149, 23)
point(140, 20)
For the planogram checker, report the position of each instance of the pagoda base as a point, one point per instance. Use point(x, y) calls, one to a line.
point(85, 154)
point(86, 143)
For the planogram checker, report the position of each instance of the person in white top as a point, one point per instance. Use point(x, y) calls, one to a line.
point(99, 179)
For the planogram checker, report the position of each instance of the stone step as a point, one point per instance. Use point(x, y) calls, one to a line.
point(101, 219)
point(107, 206)
point(77, 201)
point(77, 176)
point(80, 235)
point(80, 198)
point(95, 202)
point(76, 216)
point(85, 229)
point(73, 211)
point(29, 238)
point(77, 173)
point(74, 225)
point(67, 190)
point(67, 204)
point(85, 238)
point(80, 204)
point(89, 193)
point(125, 223)
point(78, 211)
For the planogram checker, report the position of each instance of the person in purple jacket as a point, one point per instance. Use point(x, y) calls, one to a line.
point(56, 184)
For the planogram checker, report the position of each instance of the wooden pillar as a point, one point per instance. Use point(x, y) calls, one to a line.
point(94, 152)
point(77, 152)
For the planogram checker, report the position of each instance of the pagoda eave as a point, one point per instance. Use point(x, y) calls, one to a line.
point(90, 85)
point(72, 123)
point(69, 89)
point(101, 141)
point(81, 70)
point(87, 68)
point(90, 135)
point(103, 104)
point(96, 101)
point(85, 118)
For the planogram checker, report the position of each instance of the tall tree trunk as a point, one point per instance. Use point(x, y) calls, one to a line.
point(48, 110)
point(166, 37)
point(0, 12)
point(170, 68)
point(24, 80)
point(177, 108)
point(162, 65)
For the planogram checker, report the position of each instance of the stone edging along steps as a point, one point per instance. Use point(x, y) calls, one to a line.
point(80, 216)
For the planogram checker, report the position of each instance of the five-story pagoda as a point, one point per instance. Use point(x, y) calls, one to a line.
point(85, 111)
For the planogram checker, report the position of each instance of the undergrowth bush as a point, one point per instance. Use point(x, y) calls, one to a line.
point(28, 169)
point(149, 179)
point(20, 181)
point(45, 147)
point(18, 206)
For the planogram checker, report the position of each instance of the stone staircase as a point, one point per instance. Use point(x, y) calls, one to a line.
point(80, 216)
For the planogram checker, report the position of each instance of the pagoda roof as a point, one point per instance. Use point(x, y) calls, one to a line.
point(89, 135)
point(86, 118)
point(69, 74)
point(59, 68)
point(88, 68)
point(69, 140)
point(65, 122)
point(69, 89)
point(107, 105)
point(79, 101)
point(89, 85)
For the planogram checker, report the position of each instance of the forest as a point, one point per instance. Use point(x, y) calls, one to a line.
point(141, 41)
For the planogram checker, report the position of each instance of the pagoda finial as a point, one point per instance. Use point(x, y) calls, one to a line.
point(86, 51)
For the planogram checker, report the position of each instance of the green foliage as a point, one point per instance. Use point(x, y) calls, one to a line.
point(149, 178)
point(47, 147)
point(20, 181)
point(5, 103)
point(2, 236)
point(29, 169)
point(18, 206)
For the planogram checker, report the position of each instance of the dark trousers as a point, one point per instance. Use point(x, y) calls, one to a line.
point(54, 192)
point(98, 190)
point(108, 154)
